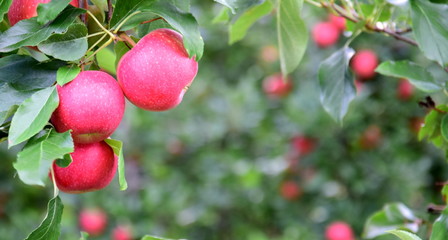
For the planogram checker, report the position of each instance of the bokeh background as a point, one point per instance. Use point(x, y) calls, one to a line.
point(215, 166)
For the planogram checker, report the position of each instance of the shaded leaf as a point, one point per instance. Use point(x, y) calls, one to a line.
point(222, 17)
point(10, 98)
point(49, 11)
point(147, 237)
point(238, 30)
point(120, 49)
point(66, 74)
point(391, 217)
point(4, 7)
point(239, 5)
point(30, 33)
point(440, 226)
point(404, 235)
point(417, 75)
point(117, 146)
point(430, 27)
point(337, 83)
point(32, 115)
point(50, 228)
point(292, 34)
point(69, 46)
point(34, 161)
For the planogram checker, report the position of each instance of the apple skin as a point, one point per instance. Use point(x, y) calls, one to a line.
point(290, 190)
point(337, 21)
point(24, 9)
point(371, 137)
point(155, 74)
point(303, 145)
point(121, 233)
point(339, 231)
point(93, 168)
point(275, 86)
point(325, 34)
point(93, 221)
point(364, 64)
point(405, 90)
point(92, 106)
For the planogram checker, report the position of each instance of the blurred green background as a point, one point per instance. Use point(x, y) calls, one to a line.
point(213, 167)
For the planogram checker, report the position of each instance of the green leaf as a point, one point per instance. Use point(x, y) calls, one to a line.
point(183, 5)
point(239, 5)
point(430, 27)
point(292, 34)
point(69, 46)
point(49, 11)
point(391, 217)
point(50, 228)
point(106, 60)
point(440, 226)
point(32, 115)
point(337, 83)
point(120, 49)
point(64, 161)
point(147, 237)
point(101, 4)
point(4, 7)
point(130, 13)
point(444, 127)
point(10, 98)
point(84, 236)
point(66, 74)
point(445, 192)
point(222, 17)
point(30, 33)
point(34, 161)
point(117, 146)
point(24, 73)
point(417, 75)
point(404, 235)
point(238, 30)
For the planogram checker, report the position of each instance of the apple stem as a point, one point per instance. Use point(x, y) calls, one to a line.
point(95, 34)
point(94, 53)
point(101, 25)
point(56, 189)
point(125, 20)
point(125, 38)
point(152, 20)
point(97, 42)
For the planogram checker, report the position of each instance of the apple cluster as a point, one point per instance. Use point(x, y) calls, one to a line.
point(154, 75)
point(326, 34)
point(94, 222)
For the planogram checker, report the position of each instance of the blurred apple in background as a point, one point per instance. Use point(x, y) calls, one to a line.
point(290, 190)
point(405, 90)
point(269, 54)
point(303, 145)
point(122, 233)
point(325, 34)
point(364, 64)
point(339, 231)
point(275, 86)
point(93, 221)
point(416, 123)
point(371, 137)
point(337, 21)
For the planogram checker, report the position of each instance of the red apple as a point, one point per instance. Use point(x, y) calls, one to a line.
point(93, 168)
point(275, 86)
point(303, 145)
point(364, 64)
point(24, 9)
point(92, 106)
point(155, 74)
point(339, 231)
point(93, 221)
point(325, 34)
point(290, 190)
point(121, 233)
point(371, 137)
point(405, 90)
point(416, 123)
point(337, 21)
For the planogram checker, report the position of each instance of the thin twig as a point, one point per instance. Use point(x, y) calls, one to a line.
point(109, 11)
point(123, 36)
point(152, 20)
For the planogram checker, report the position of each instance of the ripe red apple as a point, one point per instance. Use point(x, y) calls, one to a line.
point(121, 233)
point(325, 34)
point(364, 64)
point(339, 22)
point(93, 221)
point(275, 86)
point(371, 137)
point(303, 145)
point(339, 231)
point(24, 9)
point(93, 168)
point(155, 74)
point(92, 106)
point(290, 190)
point(405, 90)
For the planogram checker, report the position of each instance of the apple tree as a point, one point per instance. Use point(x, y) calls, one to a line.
point(58, 105)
